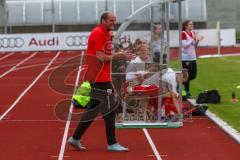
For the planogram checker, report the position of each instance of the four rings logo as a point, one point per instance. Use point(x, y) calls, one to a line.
point(75, 41)
point(11, 42)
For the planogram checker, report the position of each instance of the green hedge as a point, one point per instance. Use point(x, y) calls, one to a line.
point(238, 35)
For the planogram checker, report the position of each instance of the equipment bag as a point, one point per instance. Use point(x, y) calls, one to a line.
point(199, 110)
point(210, 96)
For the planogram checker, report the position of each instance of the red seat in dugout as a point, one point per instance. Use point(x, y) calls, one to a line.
point(152, 91)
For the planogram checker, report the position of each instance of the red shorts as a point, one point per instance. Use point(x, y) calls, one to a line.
point(169, 106)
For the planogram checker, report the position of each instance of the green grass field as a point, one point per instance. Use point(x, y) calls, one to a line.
point(222, 74)
point(238, 35)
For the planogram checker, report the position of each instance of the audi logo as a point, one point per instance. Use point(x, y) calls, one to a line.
point(11, 42)
point(75, 41)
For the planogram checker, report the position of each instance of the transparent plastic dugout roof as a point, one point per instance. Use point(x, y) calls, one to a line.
point(146, 85)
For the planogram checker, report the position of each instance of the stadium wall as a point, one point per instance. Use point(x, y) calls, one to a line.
point(26, 16)
point(226, 11)
point(1, 17)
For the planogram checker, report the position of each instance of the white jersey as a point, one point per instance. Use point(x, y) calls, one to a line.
point(188, 50)
point(135, 67)
point(168, 76)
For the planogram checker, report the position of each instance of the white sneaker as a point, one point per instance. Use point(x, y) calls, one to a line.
point(117, 148)
point(76, 144)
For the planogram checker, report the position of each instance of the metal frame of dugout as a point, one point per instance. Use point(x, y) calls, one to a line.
point(135, 115)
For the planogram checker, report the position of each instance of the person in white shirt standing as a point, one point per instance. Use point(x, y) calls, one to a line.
point(189, 41)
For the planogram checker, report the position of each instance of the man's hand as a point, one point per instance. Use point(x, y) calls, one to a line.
point(124, 55)
point(119, 56)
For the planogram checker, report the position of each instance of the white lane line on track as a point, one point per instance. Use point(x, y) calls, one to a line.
point(155, 151)
point(7, 55)
point(31, 120)
point(40, 64)
point(64, 140)
point(40, 120)
point(28, 88)
point(64, 156)
point(14, 67)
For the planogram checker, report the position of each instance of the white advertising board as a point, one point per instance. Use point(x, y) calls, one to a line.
point(44, 41)
point(78, 40)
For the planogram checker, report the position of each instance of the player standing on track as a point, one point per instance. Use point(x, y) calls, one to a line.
point(97, 42)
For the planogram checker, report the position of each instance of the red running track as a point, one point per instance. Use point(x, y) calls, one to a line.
point(32, 131)
point(11, 61)
point(198, 140)
point(5, 55)
point(31, 127)
point(13, 84)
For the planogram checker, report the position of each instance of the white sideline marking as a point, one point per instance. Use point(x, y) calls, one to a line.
point(64, 140)
point(194, 102)
point(14, 67)
point(222, 124)
point(28, 88)
point(219, 55)
point(155, 151)
point(9, 54)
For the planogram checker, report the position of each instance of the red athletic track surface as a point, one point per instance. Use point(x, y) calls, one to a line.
point(32, 131)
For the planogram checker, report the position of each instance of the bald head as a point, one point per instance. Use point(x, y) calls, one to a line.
point(106, 15)
point(108, 19)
